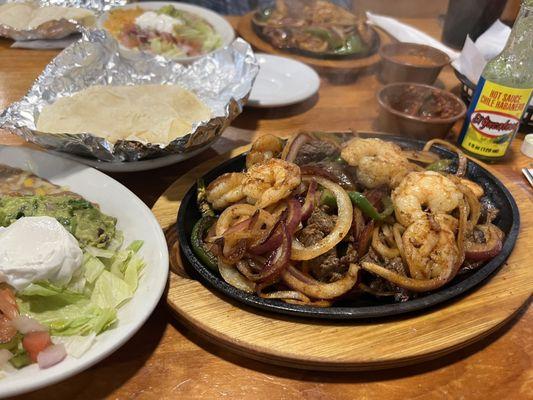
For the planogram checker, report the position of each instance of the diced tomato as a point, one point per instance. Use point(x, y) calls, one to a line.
point(35, 342)
point(8, 303)
point(7, 330)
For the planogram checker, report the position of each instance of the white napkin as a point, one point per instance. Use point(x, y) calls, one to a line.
point(474, 56)
point(46, 44)
point(470, 62)
point(406, 33)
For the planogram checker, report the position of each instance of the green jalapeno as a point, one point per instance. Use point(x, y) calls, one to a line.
point(198, 245)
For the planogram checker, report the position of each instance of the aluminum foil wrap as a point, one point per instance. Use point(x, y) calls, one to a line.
point(222, 80)
point(59, 28)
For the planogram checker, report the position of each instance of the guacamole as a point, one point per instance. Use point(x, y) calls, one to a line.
point(84, 220)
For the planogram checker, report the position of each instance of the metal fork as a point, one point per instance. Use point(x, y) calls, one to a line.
point(527, 173)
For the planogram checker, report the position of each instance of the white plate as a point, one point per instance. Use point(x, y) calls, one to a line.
point(282, 81)
point(218, 22)
point(136, 221)
point(133, 166)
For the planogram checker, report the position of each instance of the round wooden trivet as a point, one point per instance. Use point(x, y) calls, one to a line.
point(326, 345)
point(247, 32)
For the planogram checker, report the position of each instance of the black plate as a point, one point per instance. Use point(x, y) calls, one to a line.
point(376, 41)
point(508, 221)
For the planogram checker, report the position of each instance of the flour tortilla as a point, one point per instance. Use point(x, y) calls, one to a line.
point(26, 16)
point(154, 114)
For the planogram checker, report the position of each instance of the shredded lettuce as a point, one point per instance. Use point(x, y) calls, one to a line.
point(79, 318)
point(76, 345)
point(88, 304)
point(101, 253)
point(110, 291)
point(116, 242)
point(92, 267)
point(42, 291)
point(197, 33)
point(132, 272)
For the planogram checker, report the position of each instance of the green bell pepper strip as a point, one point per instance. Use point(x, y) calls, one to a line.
point(440, 165)
point(201, 199)
point(353, 45)
point(198, 244)
point(328, 199)
point(333, 41)
point(20, 360)
point(359, 200)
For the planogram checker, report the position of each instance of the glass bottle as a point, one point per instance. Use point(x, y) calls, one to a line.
point(502, 94)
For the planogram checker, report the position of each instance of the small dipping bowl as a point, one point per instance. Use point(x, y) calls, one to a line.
point(411, 62)
point(418, 111)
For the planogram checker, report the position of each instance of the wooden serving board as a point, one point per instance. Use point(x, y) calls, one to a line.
point(344, 346)
point(247, 32)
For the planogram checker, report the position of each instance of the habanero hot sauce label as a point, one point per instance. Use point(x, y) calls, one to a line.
point(494, 118)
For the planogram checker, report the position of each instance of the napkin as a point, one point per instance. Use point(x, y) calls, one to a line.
point(407, 33)
point(46, 44)
point(475, 56)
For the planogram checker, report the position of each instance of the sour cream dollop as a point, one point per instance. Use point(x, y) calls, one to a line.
point(157, 22)
point(35, 249)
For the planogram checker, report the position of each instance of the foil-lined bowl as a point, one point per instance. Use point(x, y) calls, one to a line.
point(222, 80)
point(58, 29)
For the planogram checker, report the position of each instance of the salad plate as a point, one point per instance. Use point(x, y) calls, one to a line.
point(114, 200)
point(282, 81)
point(218, 24)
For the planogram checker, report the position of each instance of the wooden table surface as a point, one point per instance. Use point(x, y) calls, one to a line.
point(165, 359)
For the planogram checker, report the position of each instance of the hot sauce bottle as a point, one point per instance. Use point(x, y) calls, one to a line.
point(502, 94)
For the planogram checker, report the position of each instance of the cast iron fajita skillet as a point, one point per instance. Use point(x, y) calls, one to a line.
point(508, 221)
point(328, 55)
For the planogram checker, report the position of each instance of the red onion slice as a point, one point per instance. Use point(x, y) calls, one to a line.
point(483, 255)
point(25, 324)
point(273, 241)
point(293, 147)
point(364, 239)
point(5, 356)
point(277, 261)
point(485, 251)
point(51, 356)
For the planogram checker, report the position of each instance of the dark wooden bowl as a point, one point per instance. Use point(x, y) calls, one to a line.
point(395, 121)
point(393, 69)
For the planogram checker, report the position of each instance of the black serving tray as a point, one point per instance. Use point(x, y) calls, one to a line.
point(367, 307)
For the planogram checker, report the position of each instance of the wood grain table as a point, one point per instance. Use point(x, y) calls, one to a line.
point(166, 360)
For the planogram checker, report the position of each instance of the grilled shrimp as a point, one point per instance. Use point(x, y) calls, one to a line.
point(267, 183)
point(431, 250)
point(378, 162)
point(419, 191)
point(226, 190)
point(263, 149)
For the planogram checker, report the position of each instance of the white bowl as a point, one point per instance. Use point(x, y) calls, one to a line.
point(136, 221)
point(218, 22)
point(134, 166)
